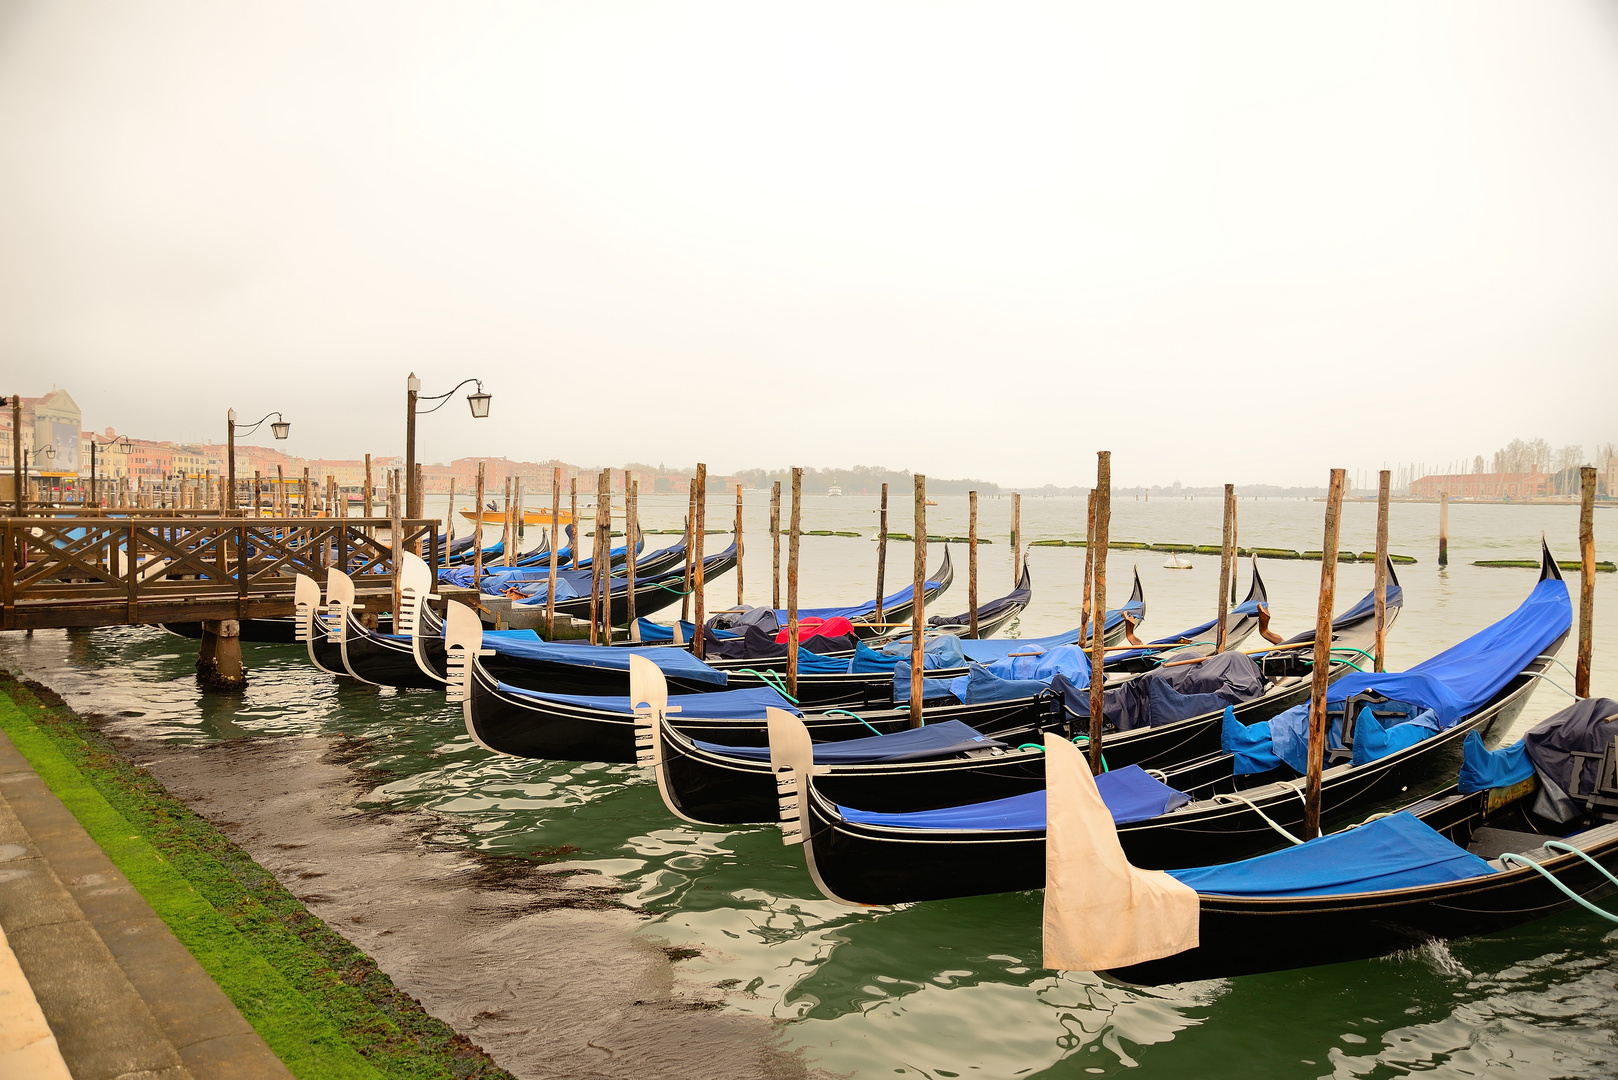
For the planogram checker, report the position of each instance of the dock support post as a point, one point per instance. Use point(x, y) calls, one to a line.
point(1587, 579)
point(1322, 660)
point(219, 660)
point(917, 614)
point(1443, 528)
point(1098, 621)
point(738, 540)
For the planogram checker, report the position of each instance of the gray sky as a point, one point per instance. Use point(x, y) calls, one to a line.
point(1230, 241)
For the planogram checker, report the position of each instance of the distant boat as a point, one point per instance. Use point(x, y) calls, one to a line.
point(834, 490)
point(529, 517)
point(1176, 563)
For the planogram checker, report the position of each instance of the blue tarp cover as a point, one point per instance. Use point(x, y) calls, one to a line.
point(1203, 633)
point(1452, 684)
point(914, 744)
point(943, 651)
point(1373, 740)
point(651, 631)
point(1395, 852)
point(607, 657)
point(1129, 793)
point(987, 649)
point(1482, 768)
point(1251, 744)
point(981, 684)
point(720, 705)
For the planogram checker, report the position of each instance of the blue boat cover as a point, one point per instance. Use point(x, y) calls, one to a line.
point(676, 662)
point(1482, 768)
point(1130, 793)
point(987, 649)
point(1374, 738)
point(1395, 852)
point(1195, 635)
point(943, 651)
point(1452, 684)
point(651, 631)
point(810, 663)
point(746, 704)
point(979, 685)
point(1250, 744)
point(913, 744)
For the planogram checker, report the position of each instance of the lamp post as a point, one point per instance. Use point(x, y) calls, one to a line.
point(16, 450)
point(280, 429)
point(478, 400)
point(114, 441)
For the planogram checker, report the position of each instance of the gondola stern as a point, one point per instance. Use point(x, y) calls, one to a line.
point(1548, 570)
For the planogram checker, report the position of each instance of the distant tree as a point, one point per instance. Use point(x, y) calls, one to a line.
point(1477, 464)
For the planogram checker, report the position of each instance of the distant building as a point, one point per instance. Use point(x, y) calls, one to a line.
point(110, 455)
point(150, 460)
point(1525, 485)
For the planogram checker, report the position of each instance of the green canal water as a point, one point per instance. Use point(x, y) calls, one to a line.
point(955, 988)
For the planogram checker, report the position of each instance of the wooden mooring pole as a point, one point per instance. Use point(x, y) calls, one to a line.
point(881, 551)
point(690, 517)
point(1443, 528)
point(1383, 496)
point(917, 614)
point(370, 484)
point(1089, 565)
point(631, 535)
point(477, 534)
point(1226, 556)
point(1587, 579)
point(1098, 631)
point(1016, 538)
point(573, 519)
point(739, 549)
point(1235, 546)
point(556, 540)
point(775, 544)
point(1322, 660)
point(699, 530)
point(794, 526)
point(972, 564)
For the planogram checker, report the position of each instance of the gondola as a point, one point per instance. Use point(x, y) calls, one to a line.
point(1478, 857)
point(817, 690)
point(651, 595)
point(1203, 812)
point(943, 764)
point(544, 724)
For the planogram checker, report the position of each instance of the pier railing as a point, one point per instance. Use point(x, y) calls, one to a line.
point(109, 571)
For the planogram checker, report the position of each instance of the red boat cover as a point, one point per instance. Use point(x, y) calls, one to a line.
point(808, 628)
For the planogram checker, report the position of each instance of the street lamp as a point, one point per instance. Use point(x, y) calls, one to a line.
point(114, 441)
point(280, 429)
point(479, 402)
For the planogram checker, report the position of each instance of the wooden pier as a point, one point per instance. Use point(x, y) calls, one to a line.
point(87, 570)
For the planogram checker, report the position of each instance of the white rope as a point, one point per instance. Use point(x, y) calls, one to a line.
point(1253, 807)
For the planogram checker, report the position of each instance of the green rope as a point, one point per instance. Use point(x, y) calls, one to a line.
point(773, 679)
point(1511, 857)
point(1083, 741)
point(855, 715)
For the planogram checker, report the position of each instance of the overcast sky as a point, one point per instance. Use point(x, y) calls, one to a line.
point(1229, 242)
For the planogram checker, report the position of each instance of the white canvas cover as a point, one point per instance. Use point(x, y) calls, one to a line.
point(1101, 912)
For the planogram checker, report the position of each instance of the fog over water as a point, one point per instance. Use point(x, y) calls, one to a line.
point(1236, 242)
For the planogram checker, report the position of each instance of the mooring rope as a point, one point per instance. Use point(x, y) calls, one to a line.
point(1513, 858)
